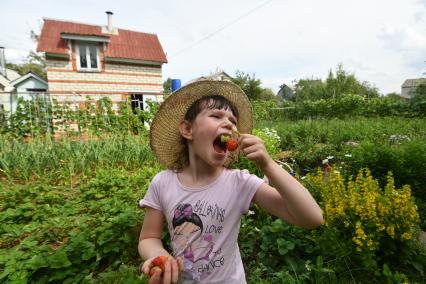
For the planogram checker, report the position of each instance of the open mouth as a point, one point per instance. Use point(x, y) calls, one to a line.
point(218, 145)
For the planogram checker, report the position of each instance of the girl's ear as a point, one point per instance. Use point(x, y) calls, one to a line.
point(185, 129)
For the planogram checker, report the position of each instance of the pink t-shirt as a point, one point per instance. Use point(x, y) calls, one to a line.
point(204, 222)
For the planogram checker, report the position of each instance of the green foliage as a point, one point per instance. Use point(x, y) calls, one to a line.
point(167, 86)
point(381, 144)
point(57, 234)
point(420, 90)
point(64, 160)
point(40, 117)
point(68, 208)
point(263, 110)
point(249, 84)
point(377, 226)
point(336, 85)
point(349, 105)
point(25, 68)
point(272, 143)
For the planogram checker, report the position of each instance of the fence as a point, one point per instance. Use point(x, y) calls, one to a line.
point(34, 114)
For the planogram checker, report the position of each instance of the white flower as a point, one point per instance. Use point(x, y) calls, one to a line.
point(330, 157)
point(250, 212)
point(256, 229)
point(302, 178)
point(307, 265)
point(325, 161)
point(348, 155)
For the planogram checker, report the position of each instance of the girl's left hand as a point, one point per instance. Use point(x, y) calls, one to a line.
point(254, 149)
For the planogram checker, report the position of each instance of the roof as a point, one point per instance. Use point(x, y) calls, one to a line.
point(409, 83)
point(124, 45)
point(6, 81)
point(218, 76)
point(25, 77)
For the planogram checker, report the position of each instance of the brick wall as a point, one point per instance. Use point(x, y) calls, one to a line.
point(114, 80)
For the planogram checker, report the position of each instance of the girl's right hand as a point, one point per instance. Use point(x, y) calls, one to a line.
point(172, 269)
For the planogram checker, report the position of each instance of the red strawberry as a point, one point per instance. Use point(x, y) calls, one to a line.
point(231, 145)
point(160, 261)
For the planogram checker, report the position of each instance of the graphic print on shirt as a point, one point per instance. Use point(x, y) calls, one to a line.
point(194, 231)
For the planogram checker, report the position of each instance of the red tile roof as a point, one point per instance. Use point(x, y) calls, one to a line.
point(125, 45)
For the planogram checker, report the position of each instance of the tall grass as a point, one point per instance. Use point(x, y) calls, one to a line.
point(45, 158)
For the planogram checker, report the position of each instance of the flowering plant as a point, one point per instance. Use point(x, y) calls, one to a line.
point(370, 215)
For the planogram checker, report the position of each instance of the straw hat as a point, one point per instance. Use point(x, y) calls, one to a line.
point(165, 138)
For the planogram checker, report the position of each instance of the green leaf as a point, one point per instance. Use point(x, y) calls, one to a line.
point(59, 259)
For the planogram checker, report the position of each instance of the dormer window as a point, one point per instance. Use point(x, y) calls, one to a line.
point(88, 57)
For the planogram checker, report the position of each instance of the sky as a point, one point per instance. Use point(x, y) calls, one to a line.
point(382, 42)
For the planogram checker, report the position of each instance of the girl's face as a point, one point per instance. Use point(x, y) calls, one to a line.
point(207, 128)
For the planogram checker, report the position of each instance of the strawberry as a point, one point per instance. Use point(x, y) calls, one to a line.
point(158, 264)
point(160, 261)
point(231, 145)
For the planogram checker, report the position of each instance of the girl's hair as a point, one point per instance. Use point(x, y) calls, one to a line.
point(209, 102)
point(183, 213)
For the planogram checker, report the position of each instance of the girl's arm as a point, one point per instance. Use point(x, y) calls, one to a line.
point(151, 246)
point(288, 199)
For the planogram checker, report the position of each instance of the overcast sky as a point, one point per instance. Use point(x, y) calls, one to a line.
point(380, 41)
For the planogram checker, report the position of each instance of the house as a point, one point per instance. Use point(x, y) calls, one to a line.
point(409, 86)
point(286, 92)
point(85, 60)
point(219, 75)
point(14, 86)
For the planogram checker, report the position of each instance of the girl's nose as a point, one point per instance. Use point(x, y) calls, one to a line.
point(228, 125)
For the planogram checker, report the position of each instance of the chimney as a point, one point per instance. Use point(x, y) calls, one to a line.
point(109, 13)
point(2, 62)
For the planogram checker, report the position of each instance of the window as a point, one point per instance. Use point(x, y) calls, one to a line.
point(88, 58)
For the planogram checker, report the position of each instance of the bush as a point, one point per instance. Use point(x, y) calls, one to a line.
point(373, 227)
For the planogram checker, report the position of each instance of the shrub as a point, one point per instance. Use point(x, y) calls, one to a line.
point(373, 228)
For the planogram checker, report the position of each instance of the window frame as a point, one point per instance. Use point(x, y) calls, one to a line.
point(87, 46)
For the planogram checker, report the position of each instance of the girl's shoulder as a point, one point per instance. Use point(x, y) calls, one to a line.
point(239, 174)
point(163, 176)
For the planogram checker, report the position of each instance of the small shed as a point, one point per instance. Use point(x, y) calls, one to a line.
point(29, 86)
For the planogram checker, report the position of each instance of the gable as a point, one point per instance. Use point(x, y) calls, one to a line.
point(29, 81)
point(125, 44)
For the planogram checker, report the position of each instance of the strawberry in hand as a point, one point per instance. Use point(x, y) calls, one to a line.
point(231, 143)
point(157, 264)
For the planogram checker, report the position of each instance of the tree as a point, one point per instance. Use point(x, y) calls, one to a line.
point(310, 89)
point(267, 95)
point(35, 63)
point(167, 86)
point(420, 89)
point(393, 96)
point(346, 83)
point(249, 84)
point(337, 84)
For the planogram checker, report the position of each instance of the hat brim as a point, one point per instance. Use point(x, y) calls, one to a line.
point(165, 138)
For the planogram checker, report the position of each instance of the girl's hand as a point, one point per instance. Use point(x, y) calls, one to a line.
point(172, 269)
point(254, 149)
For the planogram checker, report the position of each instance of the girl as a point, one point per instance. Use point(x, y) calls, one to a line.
point(186, 136)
